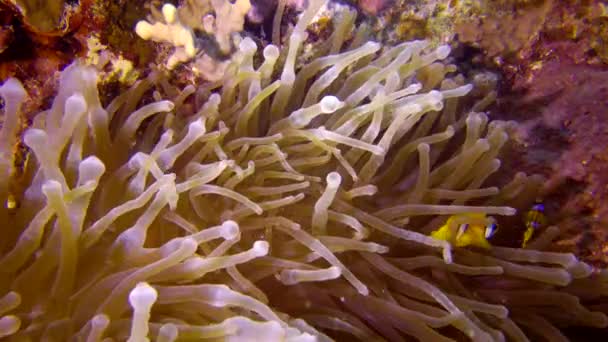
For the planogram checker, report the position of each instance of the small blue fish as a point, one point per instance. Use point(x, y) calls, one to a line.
point(535, 219)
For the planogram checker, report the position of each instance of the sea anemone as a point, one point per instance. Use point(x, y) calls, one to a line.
point(284, 202)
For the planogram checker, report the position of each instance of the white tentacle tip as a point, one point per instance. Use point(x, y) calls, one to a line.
point(35, 137)
point(330, 104)
point(443, 51)
point(230, 230)
point(142, 296)
point(261, 248)
point(333, 179)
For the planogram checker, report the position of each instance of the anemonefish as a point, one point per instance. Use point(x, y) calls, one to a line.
point(535, 219)
point(467, 230)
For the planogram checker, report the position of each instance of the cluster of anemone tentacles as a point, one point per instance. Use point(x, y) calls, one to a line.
point(277, 204)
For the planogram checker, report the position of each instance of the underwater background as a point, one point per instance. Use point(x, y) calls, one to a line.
point(261, 170)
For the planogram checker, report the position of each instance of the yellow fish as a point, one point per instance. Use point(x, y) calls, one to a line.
point(467, 230)
point(535, 219)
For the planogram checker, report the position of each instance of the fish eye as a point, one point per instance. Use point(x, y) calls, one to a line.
point(490, 230)
point(462, 229)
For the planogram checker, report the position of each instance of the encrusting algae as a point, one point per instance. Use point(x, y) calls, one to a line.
point(289, 208)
